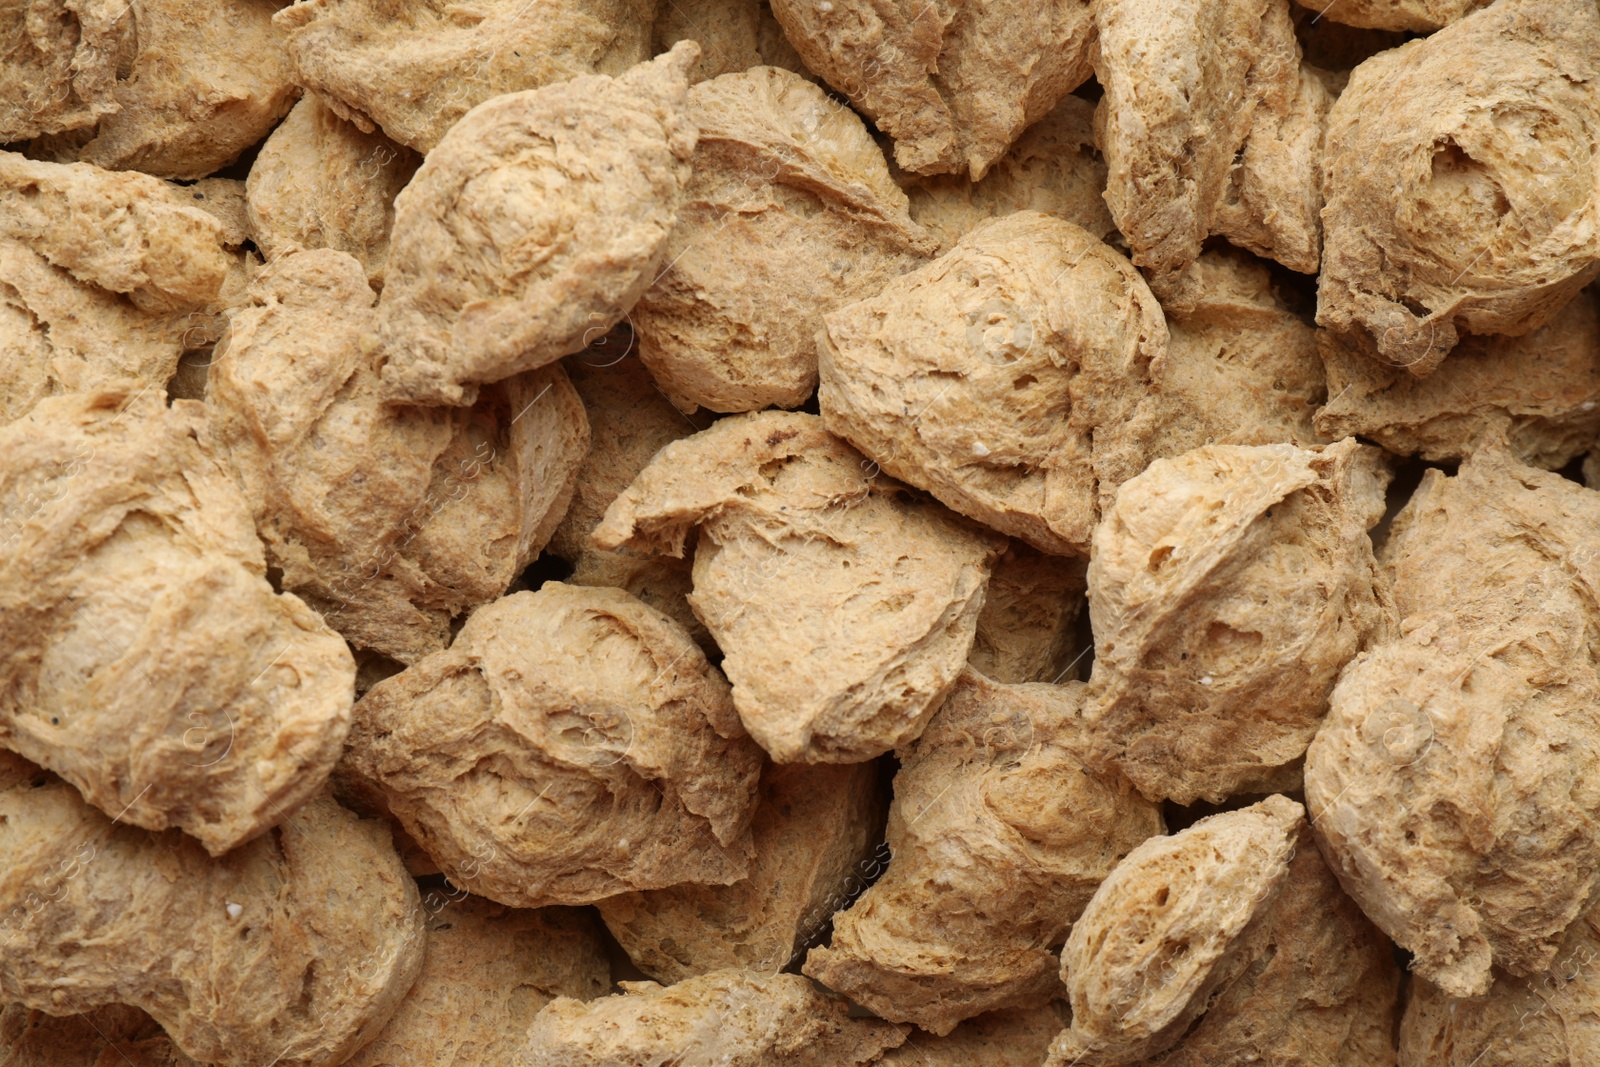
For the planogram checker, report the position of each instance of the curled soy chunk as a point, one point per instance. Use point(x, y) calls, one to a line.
point(293, 949)
point(845, 605)
point(985, 376)
point(1455, 780)
point(147, 659)
point(1460, 182)
point(572, 744)
point(1228, 588)
point(728, 1018)
point(532, 228)
point(998, 836)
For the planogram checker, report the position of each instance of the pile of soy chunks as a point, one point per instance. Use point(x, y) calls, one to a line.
point(962, 533)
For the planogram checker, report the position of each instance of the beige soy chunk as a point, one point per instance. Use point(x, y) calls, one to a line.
point(1027, 631)
point(1460, 182)
point(1013, 1037)
point(1419, 15)
point(954, 85)
point(1455, 780)
point(1209, 125)
point(294, 949)
point(390, 521)
point(60, 64)
point(113, 1036)
point(984, 376)
point(1053, 167)
point(532, 228)
point(1540, 391)
point(319, 182)
point(1228, 588)
point(814, 828)
point(486, 972)
point(416, 68)
point(998, 835)
point(1177, 921)
point(728, 1018)
point(572, 744)
point(845, 606)
point(196, 83)
point(733, 35)
point(148, 660)
point(730, 324)
point(1549, 1019)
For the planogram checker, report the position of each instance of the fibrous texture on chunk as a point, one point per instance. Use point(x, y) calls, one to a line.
point(730, 323)
point(194, 84)
point(1178, 921)
point(1461, 182)
point(1027, 631)
point(1228, 588)
point(291, 950)
point(845, 606)
point(727, 1018)
point(954, 84)
point(319, 182)
point(984, 376)
point(1421, 15)
point(571, 744)
point(390, 521)
point(814, 828)
point(146, 658)
point(733, 35)
point(999, 835)
point(113, 1036)
point(415, 67)
point(486, 972)
point(60, 63)
point(1456, 778)
point(532, 228)
point(1540, 391)
point(1013, 1037)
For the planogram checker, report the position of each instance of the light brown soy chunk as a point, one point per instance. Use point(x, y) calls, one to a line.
point(532, 228)
point(1454, 780)
point(1224, 582)
point(196, 83)
point(416, 70)
point(61, 69)
point(1027, 631)
point(570, 745)
point(1444, 214)
point(294, 948)
point(985, 376)
point(149, 661)
point(728, 325)
point(953, 86)
point(730, 1018)
point(1421, 15)
point(998, 835)
point(733, 35)
point(814, 828)
point(844, 605)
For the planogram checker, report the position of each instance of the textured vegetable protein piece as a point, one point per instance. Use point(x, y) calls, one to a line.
point(1013, 1037)
point(532, 228)
point(105, 1037)
point(570, 745)
point(727, 1018)
point(984, 376)
point(1454, 781)
point(1000, 831)
point(1027, 631)
point(728, 324)
point(416, 68)
point(1460, 182)
point(733, 35)
point(147, 660)
point(814, 830)
point(954, 84)
point(293, 949)
point(1177, 921)
point(61, 64)
point(844, 605)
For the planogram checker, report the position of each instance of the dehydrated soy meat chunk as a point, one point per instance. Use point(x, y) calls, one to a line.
point(733, 35)
point(844, 605)
point(953, 84)
point(790, 213)
point(998, 836)
point(60, 64)
point(985, 376)
point(293, 949)
point(1027, 631)
point(416, 68)
point(1460, 182)
point(532, 228)
point(1456, 778)
point(147, 659)
point(572, 744)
